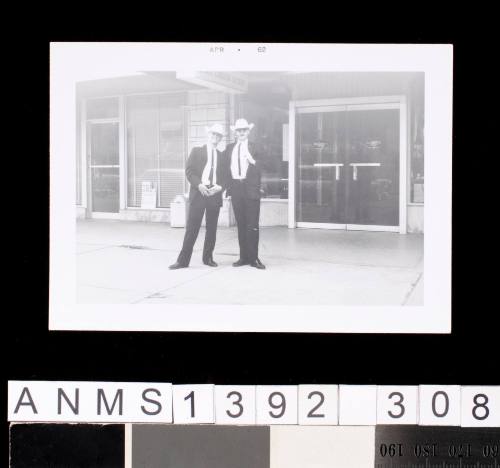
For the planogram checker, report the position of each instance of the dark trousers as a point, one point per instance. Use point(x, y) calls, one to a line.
point(247, 212)
point(197, 207)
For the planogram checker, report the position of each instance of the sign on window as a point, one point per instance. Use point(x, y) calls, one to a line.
point(148, 198)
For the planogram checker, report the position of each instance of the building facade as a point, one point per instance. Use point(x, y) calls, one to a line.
point(339, 150)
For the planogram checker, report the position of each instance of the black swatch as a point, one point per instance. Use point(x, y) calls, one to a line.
point(67, 445)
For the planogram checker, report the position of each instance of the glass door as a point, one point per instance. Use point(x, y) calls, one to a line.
point(105, 167)
point(372, 181)
point(321, 166)
point(347, 167)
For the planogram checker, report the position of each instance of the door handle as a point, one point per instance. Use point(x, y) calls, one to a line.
point(356, 165)
point(336, 165)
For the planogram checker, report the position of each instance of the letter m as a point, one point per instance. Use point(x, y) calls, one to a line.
point(101, 398)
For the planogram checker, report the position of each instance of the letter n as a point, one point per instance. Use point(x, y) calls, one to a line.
point(74, 407)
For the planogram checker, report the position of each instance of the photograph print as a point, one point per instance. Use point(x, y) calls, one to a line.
point(247, 192)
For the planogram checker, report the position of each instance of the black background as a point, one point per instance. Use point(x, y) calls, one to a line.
point(470, 355)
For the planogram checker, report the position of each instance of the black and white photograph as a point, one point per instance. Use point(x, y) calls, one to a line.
point(237, 194)
point(241, 254)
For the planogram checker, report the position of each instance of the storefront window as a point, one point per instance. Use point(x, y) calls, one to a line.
point(78, 180)
point(78, 161)
point(155, 147)
point(171, 141)
point(270, 117)
point(417, 141)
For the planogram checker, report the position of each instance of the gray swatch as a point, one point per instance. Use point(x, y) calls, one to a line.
point(163, 446)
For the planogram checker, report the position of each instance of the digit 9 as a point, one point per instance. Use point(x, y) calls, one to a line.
point(281, 406)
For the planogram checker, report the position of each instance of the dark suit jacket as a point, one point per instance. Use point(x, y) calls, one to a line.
point(194, 169)
point(253, 179)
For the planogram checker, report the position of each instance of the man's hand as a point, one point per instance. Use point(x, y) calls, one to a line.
point(215, 189)
point(250, 159)
point(204, 190)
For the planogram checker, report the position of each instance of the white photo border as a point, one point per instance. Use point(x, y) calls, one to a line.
point(73, 62)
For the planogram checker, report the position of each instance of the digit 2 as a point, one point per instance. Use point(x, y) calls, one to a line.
point(312, 413)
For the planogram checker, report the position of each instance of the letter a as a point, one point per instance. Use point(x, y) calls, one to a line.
point(24, 403)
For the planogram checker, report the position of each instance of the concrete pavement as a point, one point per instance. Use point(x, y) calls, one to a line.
point(127, 262)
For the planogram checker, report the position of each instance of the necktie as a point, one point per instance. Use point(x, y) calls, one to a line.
point(239, 160)
point(211, 174)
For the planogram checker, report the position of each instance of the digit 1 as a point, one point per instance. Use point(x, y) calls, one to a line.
point(190, 396)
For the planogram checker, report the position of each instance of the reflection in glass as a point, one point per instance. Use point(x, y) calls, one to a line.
point(155, 150)
point(348, 167)
point(104, 167)
point(269, 112)
point(417, 141)
point(104, 144)
point(321, 167)
point(372, 141)
point(105, 189)
point(171, 141)
point(78, 154)
point(142, 145)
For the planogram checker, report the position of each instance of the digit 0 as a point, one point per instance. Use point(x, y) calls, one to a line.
point(446, 404)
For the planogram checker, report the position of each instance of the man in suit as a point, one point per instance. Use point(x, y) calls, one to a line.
point(244, 176)
point(206, 172)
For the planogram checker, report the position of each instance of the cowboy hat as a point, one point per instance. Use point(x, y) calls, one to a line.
point(215, 128)
point(241, 123)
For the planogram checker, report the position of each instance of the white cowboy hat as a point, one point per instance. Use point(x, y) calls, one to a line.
point(241, 123)
point(215, 128)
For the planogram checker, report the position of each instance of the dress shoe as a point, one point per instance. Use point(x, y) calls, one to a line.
point(258, 264)
point(240, 262)
point(176, 266)
point(210, 262)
